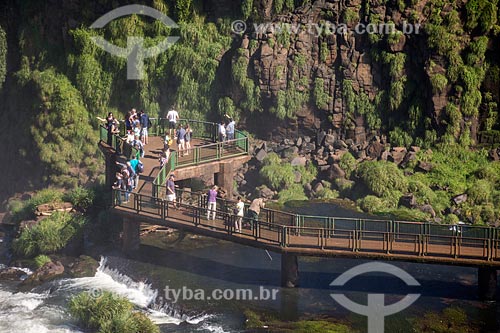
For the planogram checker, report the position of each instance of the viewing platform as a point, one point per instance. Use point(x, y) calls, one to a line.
point(294, 235)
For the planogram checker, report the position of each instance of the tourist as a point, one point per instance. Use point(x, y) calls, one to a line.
point(212, 202)
point(171, 190)
point(128, 184)
point(136, 125)
point(222, 132)
point(134, 162)
point(118, 186)
point(163, 157)
point(112, 127)
point(240, 207)
point(167, 142)
point(230, 129)
point(172, 117)
point(137, 144)
point(145, 124)
point(181, 140)
point(187, 138)
point(128, 121)
point(254, 211)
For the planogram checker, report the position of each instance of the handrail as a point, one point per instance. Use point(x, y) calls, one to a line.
point(214, 151)
point(117, 143)
point(352, 239)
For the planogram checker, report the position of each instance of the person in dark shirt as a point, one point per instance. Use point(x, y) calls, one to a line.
point(144, 120)
point(118, 185)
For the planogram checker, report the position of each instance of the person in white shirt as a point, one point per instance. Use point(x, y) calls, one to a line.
point(240, 206)
point(222, 132)
point(172, 117)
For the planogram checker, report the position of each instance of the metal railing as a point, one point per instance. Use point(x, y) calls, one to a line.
point(211, 152)
point(332, 233)
point(117, 143)
point(201, 129)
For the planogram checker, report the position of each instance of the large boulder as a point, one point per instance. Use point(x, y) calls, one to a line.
point(84, 266)
point(299, 161)
point(408, 201)
point(424, 166)
point(11, 274)
point(47, 272)
point(375, 149)
point(261, 155)
point(335, 172)
point(397, 155)
point(460, 199)
point(428, 209)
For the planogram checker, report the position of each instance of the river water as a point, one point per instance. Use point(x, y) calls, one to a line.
point(185, 261)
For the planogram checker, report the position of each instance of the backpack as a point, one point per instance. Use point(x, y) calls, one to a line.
point(140, 167)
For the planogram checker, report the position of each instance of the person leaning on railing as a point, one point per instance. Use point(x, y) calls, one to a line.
point(254, 211)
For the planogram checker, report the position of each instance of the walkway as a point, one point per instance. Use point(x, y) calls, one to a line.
point(303, 235)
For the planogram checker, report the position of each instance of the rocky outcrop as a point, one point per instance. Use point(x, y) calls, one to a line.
point(47, 272)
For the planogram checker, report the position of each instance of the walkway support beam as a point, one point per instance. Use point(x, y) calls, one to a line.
point(225, 178)
point(487, 283)
point(131, 235)
point(289, 270)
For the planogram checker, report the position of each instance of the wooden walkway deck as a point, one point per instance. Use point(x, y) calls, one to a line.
point(454, 249)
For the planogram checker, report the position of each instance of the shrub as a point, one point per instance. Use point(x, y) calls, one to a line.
point(327, 194)
point(382, 177)
point(321, 98)
point(348, 163)
point(451, 219)
point(480, 192)
point(81, 198)
point(308, 173)
point(277, 174)
point(399, 137)
point(438, 82)
point(294, 192)
point(371, 204)
point(41, 260)
point(26, 210)
point(97, 311)
point(49, 235)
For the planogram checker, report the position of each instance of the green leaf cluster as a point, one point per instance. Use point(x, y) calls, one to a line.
point(49, 235)
point(109, 313)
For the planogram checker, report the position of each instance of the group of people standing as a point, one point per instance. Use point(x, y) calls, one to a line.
point(238, 209)
point(182, 134)
point(225, 129)
point(127, 178)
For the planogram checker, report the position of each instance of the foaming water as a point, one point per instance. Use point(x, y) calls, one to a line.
point(29, 313)
point(46, 311)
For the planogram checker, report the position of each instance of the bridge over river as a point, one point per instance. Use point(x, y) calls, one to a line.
point(289, 234)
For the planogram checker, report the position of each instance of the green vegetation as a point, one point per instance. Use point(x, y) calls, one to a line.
point(321, 97)
point(109, 313)
point(49, 235)
point(3, 56)
point(25, 210)
point(281, 175)
point(450, 320)
point(348, 163)
point(41, 260)
point(255, 321)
